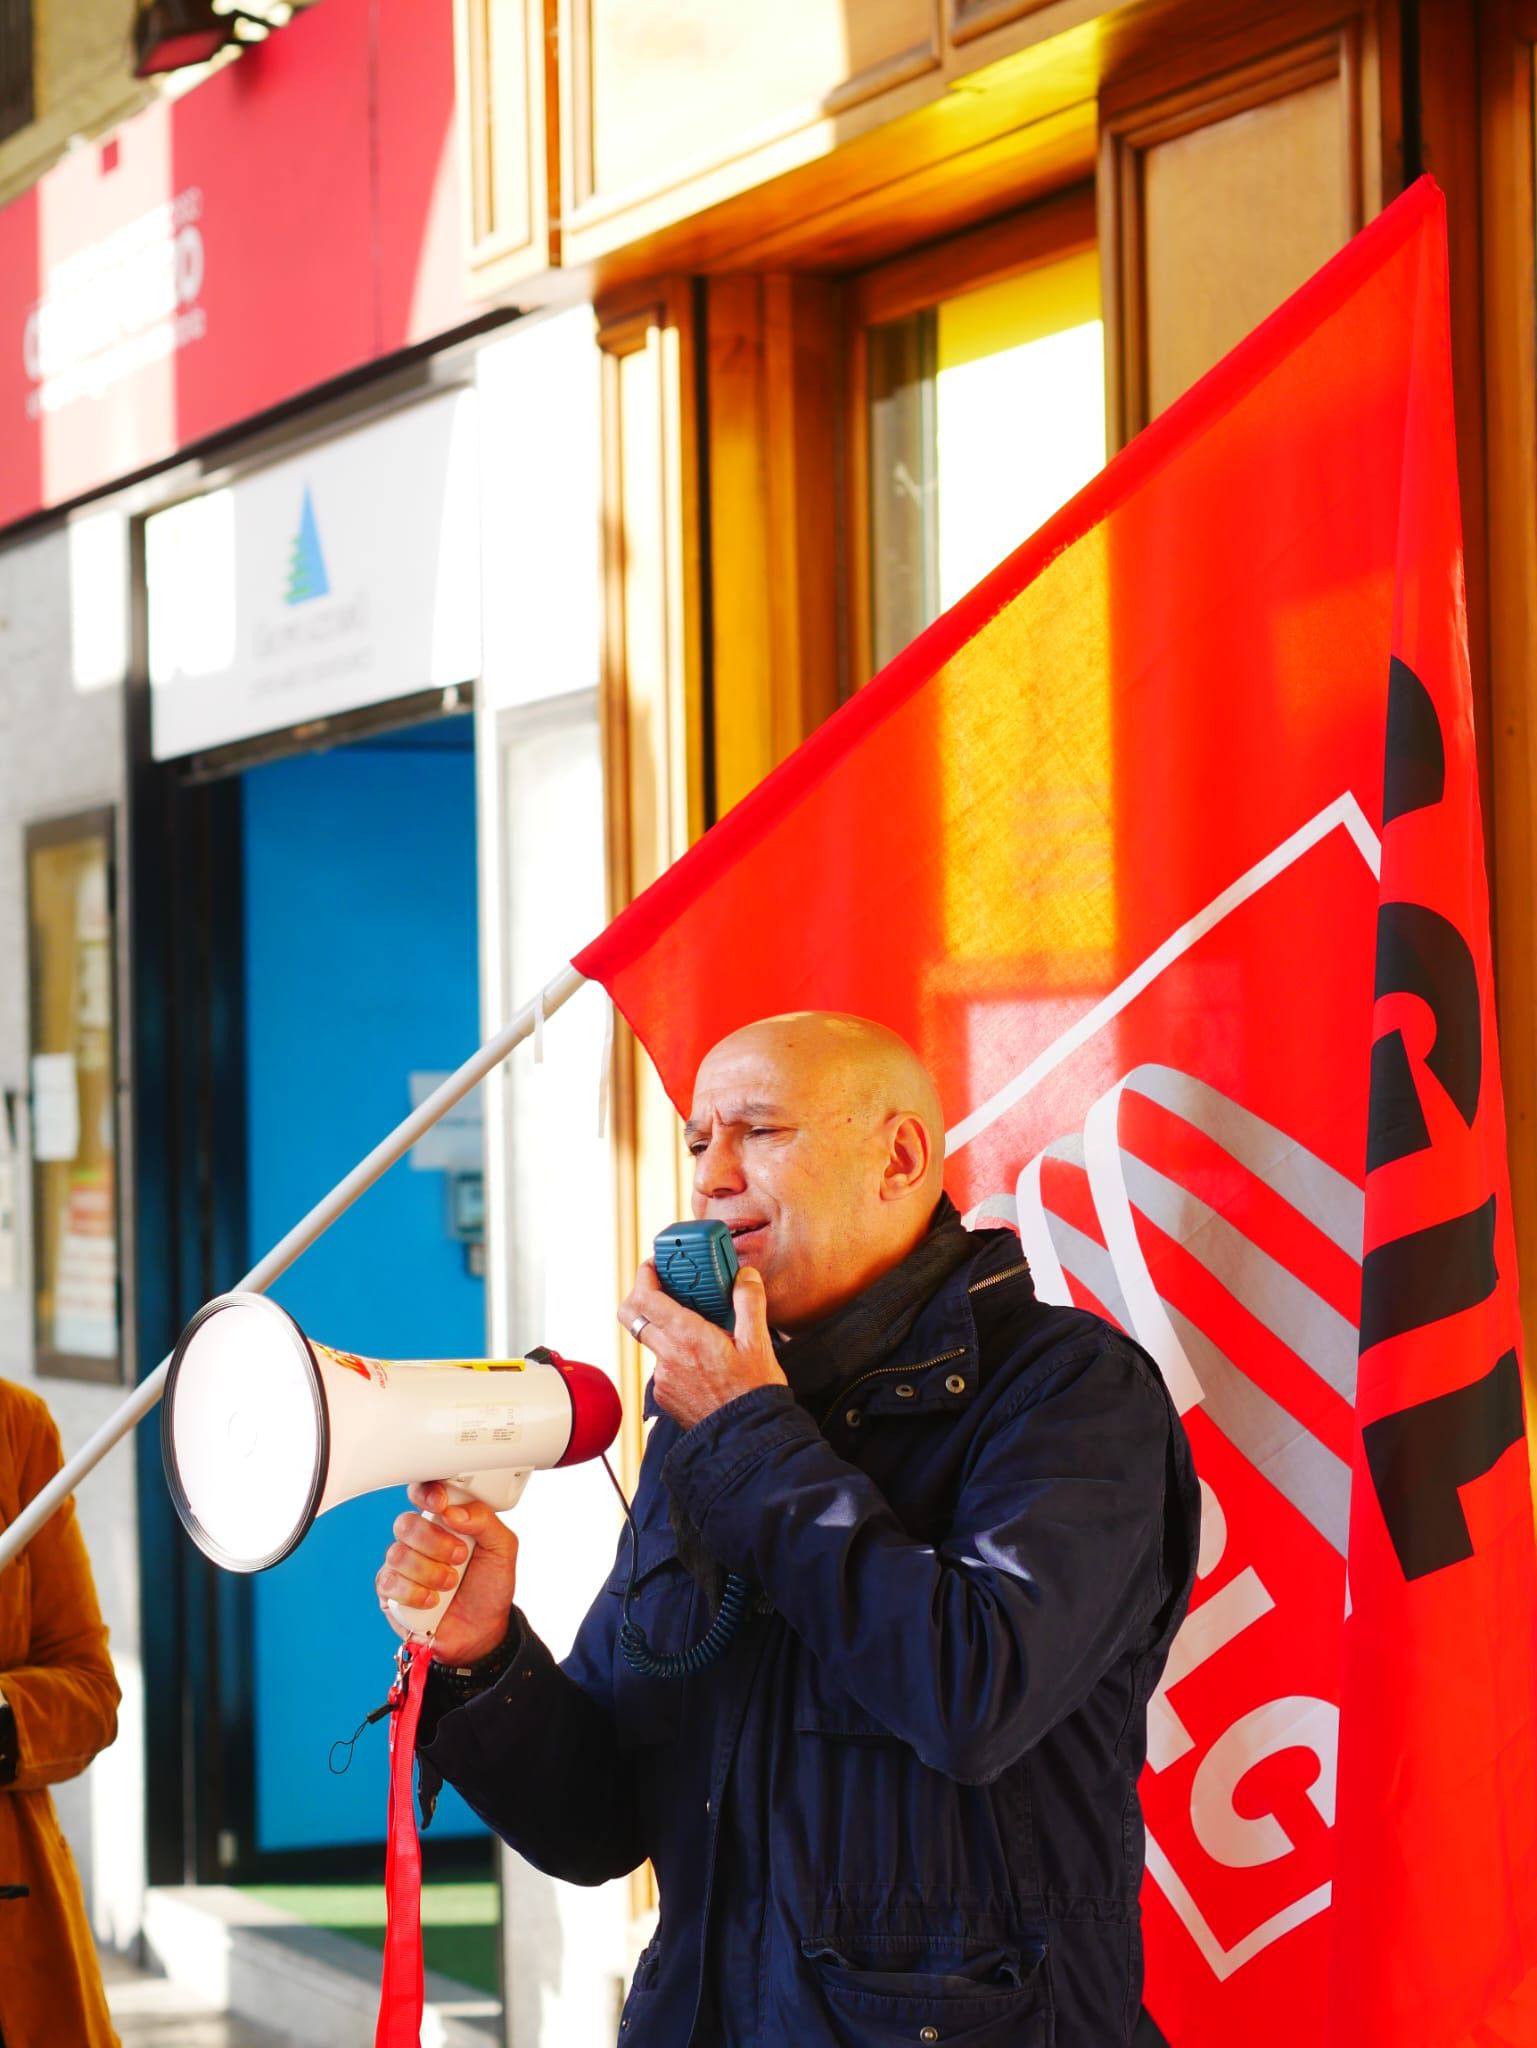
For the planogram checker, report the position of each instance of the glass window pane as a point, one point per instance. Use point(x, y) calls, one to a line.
point(904, 557)
point(986, 413)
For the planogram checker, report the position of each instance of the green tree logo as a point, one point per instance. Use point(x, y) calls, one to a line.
point(306, 564)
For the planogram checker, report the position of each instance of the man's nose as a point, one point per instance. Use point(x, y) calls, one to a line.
point(717, 1170)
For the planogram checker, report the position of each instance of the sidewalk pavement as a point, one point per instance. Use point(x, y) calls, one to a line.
point(152, 2012)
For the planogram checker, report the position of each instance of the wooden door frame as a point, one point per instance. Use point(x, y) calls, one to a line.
point(1508, 167)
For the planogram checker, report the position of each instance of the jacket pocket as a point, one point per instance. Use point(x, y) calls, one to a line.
point(649, 1710)
point(648, 1970)
point(878, 1991)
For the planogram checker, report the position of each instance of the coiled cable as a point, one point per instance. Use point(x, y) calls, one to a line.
point(717, 1638)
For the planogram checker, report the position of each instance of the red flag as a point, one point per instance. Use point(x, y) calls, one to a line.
point(1207, 992)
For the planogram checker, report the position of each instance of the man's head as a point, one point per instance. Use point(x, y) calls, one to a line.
point(819, 1139)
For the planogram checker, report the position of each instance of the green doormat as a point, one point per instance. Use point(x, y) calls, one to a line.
point(459, 1922)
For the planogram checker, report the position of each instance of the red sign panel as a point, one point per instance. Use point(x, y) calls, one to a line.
point(294, 217)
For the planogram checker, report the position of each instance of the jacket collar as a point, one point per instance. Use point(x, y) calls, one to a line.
point(936, 1363)
point(868, 1330)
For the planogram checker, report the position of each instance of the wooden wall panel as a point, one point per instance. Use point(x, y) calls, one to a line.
point(504, 64)
point(1186, 174)
point(1282, 163)
point(685, 148)
point(774, 433)
point(654, 99)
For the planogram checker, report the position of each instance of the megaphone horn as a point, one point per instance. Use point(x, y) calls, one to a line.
point(263, 1429)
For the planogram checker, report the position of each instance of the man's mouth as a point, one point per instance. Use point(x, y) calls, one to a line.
point(748, 1236)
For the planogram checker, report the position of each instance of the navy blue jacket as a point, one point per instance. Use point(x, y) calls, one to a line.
point(903, 1806)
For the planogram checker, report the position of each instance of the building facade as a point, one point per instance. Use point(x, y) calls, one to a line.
point(743, 341)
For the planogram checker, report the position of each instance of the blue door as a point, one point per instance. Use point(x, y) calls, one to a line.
point(360, 969)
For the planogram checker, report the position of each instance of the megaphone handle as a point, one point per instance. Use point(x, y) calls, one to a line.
point(500, 1490)
point(426, 1621)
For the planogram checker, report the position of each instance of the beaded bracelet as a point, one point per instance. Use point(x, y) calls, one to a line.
point(465, 1680)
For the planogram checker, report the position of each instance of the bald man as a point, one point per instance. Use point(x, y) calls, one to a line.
point(901, 1806)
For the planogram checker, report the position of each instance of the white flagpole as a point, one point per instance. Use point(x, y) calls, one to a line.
point(15, 1539)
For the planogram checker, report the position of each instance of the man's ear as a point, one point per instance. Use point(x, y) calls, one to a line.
point(909, 1155)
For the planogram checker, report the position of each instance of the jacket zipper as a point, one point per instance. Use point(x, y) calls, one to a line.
point(943, 1357)
point(993, 1279)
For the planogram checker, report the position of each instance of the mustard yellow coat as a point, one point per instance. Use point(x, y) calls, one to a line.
point(58, 1678)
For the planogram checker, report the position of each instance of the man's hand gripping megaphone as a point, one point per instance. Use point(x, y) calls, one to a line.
point(451, 1571)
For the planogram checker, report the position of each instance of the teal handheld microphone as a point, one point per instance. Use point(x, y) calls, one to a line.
point(697, 1265)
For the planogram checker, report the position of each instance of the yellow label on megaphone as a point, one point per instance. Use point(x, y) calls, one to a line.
point(370, 1368)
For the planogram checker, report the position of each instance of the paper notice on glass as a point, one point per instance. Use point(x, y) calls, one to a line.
point(55, 1107)
point(85, 1271)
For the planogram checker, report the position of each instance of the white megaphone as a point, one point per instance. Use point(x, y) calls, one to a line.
point(264, 1429)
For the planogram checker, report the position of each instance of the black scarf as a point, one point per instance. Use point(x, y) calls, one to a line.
point(871, 1326)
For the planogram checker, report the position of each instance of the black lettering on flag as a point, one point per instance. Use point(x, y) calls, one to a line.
point(1428, 1275)
point(1420, 953)
point(1420, 1457)
point(1395, 1123)
point(1415, 768)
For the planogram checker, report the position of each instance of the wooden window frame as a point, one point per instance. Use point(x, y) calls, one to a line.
point(500, 252)
point(654, 807)
point(1061, 226)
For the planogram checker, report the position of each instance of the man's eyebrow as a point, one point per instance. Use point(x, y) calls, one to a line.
point(739, 1113)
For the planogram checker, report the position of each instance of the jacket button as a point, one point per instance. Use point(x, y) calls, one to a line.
point(851, 1417)
point(928, 2033)
point(955, 1383)
point(905, 1392)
